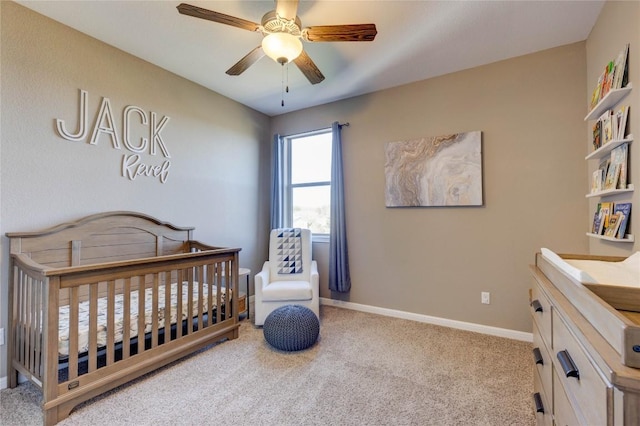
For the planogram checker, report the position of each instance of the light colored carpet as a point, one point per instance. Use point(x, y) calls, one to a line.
point(364, 370)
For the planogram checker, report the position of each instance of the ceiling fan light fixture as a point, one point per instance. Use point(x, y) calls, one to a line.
point(282, 47)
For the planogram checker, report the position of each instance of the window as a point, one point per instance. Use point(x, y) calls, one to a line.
point(308, 181)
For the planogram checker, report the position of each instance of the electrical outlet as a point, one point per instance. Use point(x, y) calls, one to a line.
point(485, 297)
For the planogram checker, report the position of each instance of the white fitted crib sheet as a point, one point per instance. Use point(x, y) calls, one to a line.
point(83, 314)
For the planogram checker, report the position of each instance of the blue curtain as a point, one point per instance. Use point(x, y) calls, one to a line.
point(339, 278)
point(277, 182)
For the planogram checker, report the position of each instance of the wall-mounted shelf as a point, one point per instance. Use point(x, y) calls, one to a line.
point(606, 192)
point(628, 238)
point(612, 98)
point(606, 149)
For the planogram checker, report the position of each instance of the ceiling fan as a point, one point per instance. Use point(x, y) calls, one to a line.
point(283, 32)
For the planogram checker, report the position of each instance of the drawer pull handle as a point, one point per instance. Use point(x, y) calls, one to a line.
point(537, 356)
point(538, 401)
point(537, 307)
point(569, 367)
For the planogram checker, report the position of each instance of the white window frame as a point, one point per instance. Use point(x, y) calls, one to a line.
point(289, 186)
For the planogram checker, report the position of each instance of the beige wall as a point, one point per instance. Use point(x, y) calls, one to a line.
point(436, 261)
point(431, 261)
point(617, 25)
point(218, 147)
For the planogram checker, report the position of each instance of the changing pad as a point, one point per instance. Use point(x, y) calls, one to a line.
point(625, 273)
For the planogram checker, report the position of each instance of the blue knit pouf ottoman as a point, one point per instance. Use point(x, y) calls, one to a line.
point(291, 328)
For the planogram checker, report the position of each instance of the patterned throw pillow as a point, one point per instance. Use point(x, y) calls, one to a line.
point(289, 251)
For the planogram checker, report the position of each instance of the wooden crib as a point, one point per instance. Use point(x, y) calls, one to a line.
point(100, 301)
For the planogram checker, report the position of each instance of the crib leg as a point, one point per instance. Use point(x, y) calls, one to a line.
point(12, 377)
point(56, 414)
point(50, 416)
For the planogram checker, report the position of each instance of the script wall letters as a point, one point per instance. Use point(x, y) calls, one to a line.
point(132, 166)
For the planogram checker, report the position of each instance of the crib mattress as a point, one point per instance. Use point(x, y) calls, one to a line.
point(83, 314)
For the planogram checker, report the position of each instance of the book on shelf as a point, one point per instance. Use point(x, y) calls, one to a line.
point(613, 174)
point(605, 209)
point(622, 116)
point(624, 210)
point(596, 181)
point(597, 222)
point(597, 135)
point(614, 76)
point(614, 126)
point(607, 128)
point(619, 157)
point(606, 81)
point(614, 224)
point(603, 167)
point(600, 222)
point(597, 95)
point(623, 73)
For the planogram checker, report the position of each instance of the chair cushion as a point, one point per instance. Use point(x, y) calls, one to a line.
point(289, 251)
point(291, 328)
point(287, 290)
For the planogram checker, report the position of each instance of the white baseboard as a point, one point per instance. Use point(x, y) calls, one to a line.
point(461, 325)
point(4, 383)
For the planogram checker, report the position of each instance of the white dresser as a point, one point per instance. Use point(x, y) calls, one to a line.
point(580, 378)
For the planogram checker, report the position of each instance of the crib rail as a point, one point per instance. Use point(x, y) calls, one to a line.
point(97, 359)
point(27, 312)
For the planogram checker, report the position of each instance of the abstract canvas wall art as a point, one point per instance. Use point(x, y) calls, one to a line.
point(434, 171)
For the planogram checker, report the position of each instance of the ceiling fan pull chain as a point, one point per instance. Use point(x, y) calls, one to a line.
point(282, 86)
point(287, 77)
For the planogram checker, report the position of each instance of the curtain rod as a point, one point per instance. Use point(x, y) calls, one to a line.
point(317, 130)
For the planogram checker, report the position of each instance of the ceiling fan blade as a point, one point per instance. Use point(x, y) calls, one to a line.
point(308, 68)
point(198, 12)
point(287, 9)
point(244, 63)
point(355, 32)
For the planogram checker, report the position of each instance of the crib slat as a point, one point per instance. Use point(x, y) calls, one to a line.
point(93, 327)
point(154, 313)
point(141, 313)
point(21, 308)
point(201, 284)
point(73, 334)
point(231, 296)
point(167, 306)
point(33, 324)
point(28, 357)
point(210, 269)
point(179, 305)
point(111, 307)
point(219, 273)
point(126, 318)
point(39, 326)
point(190, 300)
point(29, 335)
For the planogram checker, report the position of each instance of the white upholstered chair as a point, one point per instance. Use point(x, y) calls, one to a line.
point(289, 277)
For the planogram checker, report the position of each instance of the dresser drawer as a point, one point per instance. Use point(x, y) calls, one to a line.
point(562, 410)
point(584, 386)
point(544, 363)
point(541, 312)
point(542, 404)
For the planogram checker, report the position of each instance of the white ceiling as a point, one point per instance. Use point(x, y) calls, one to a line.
point(416, 40)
